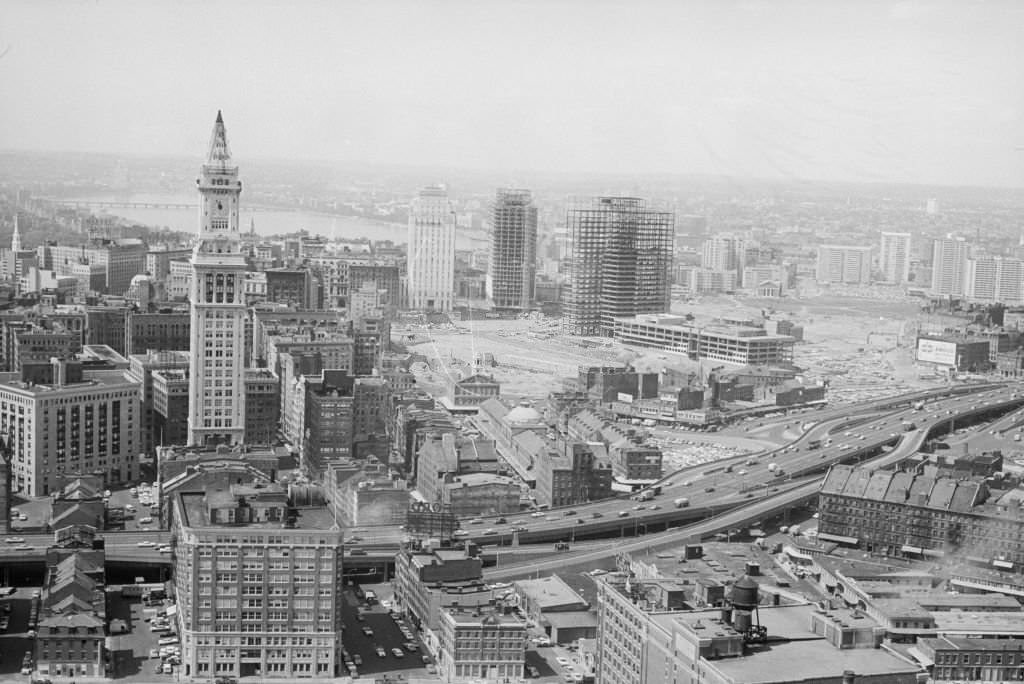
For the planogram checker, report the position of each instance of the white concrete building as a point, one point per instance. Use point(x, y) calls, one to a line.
point(217, 367)
point(431, 258)
point(894, 257)
point(844, 264)
point(949, 265)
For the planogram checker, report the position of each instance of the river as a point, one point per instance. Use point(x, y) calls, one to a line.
point(268, 221)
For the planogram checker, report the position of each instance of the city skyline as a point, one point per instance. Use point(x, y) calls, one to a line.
point(883, 92)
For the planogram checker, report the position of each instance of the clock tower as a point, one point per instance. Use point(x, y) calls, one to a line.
point(216, 410)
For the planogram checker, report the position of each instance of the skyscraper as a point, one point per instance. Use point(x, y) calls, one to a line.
point(949, 265)
point(216, 408)
point(431, 259)
point(894, 257)
point(620, 254)
point(513, 266)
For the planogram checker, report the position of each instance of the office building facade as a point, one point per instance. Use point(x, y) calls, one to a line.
point(259, 584)
point(431, 256)
point(218, 315)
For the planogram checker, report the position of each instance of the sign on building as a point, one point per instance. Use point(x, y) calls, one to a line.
point(431, 520)
point(936, 351)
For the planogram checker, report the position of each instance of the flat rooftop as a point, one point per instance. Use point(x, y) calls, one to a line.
point(549, 592)
point(793, 653)
point(93, 378)
point(196, 515)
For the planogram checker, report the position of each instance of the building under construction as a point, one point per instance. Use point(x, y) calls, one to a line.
point(619, 259)
point(513, 266)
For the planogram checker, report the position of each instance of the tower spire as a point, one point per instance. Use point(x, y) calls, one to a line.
point(219, 150)
point(16, 238)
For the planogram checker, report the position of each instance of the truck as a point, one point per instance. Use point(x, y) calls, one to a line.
point(649, 422)
point(681, 502)
point(645, 495)
point(918, 405)
point(908, 426)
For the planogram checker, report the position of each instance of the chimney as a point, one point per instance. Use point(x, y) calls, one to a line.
point(60, 371)
point(849, 676)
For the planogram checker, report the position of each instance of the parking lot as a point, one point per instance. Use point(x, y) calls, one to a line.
point(386, 635)
point(14, 641)
point(132, 657)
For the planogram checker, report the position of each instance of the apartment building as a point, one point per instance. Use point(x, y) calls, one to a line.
point(845, 264)
point(905, 514)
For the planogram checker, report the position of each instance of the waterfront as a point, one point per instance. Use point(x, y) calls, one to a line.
point(267, 221)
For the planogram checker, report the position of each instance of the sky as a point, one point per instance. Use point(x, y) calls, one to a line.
point(888, 91)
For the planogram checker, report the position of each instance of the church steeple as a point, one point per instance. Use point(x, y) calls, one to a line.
point(219, 152)
point(16, 238)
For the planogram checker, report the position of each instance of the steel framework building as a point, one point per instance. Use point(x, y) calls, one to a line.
point(620, 256)
point(513, 266)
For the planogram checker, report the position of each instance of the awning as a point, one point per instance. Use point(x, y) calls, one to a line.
point(838, 538)
point(1006, 565)
point(907, 548)
point(935, 553)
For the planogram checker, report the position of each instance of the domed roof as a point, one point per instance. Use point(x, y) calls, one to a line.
point(523, 414)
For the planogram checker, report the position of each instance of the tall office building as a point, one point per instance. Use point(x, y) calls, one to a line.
point(894, 257)
point(949, 265)
point(431, 258)
point(620, 255)
point(844, 264)
point(259, 583)
point(513, 266)
point(216, 294)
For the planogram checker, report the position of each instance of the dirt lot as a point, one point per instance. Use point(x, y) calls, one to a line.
point(862, 346)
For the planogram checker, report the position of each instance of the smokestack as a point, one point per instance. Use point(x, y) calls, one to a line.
point(849, 676)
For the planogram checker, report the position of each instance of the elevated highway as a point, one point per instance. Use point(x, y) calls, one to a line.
point(726, 494)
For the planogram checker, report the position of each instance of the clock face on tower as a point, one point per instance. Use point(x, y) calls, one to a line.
point(219, 215)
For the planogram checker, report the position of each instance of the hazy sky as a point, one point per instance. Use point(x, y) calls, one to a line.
point(821, 89)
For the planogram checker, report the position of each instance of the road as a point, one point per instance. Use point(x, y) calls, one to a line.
point(847, 434)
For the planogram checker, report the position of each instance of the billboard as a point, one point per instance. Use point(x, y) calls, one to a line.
point(936, 351)
point(625, 398)
point(431, 520)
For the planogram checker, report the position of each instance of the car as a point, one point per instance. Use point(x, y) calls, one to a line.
point(537, 514)
point(154, 653)
point(655, 507)
point(22, 516)
point(596, 514)
point(460, 533)
point(368, 631)
point(490, 530)
point(709, 489)
point(24, 547)
point(569, 514)
point(165, 549)
point(597, 571)
point(410, 646)
point(476, 521)
point(146, 544)
point(500, 521)
point(357, 659)
point(534, 672)
point(397, 652)
point(129, 507)
point(425, 658)
point(562, 661)
point(15, 540)
point(360, 617)
point(638, 507)
point(542, 641)
point(381, 652)
point(133, 491)
point(145, 521)
point(551, 518)
point(519, 529)
point(581, 521)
